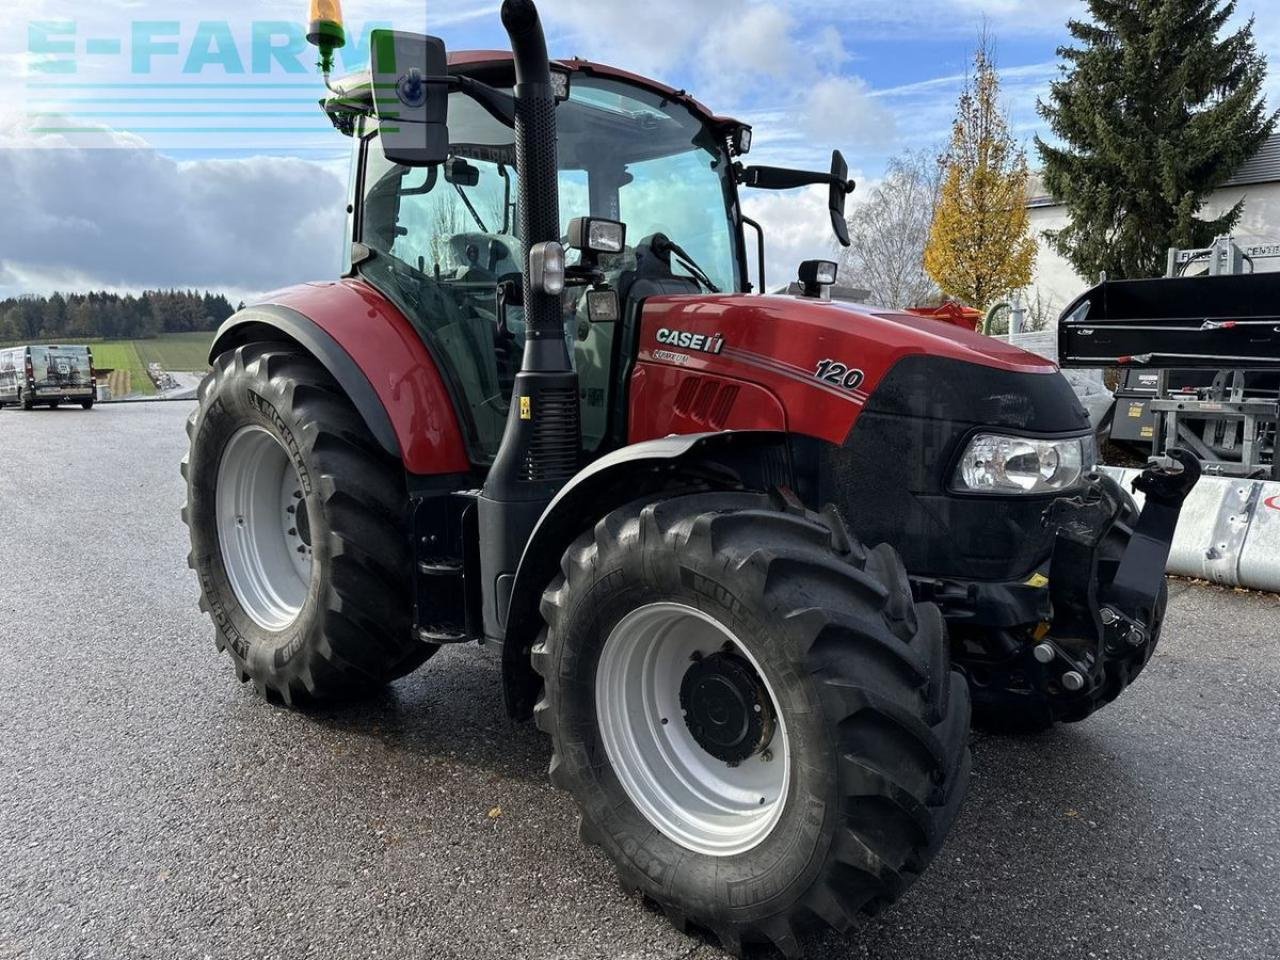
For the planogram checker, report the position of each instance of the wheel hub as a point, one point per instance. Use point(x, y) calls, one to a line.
point(263, 527)
point(726, 707)
point(665, 661)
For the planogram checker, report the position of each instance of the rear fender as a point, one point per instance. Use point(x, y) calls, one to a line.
point(377, 358)
point(731, 460)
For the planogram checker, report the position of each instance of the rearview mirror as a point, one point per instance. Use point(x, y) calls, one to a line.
point(410, 96)
point(461, 173)
point(840, 189)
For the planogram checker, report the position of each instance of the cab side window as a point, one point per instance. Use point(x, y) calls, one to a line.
point(443, 238)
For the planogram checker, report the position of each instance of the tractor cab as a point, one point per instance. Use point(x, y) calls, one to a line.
point(443, 242)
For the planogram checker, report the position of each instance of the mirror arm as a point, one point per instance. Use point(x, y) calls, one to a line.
point(782, 178)
point(499, 105)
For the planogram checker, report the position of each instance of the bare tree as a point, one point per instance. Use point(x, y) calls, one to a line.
point(889, 231)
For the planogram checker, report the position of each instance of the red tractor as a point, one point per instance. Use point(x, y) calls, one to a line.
point(655, 488)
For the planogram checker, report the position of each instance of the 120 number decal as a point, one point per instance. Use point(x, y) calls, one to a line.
point(841, 374)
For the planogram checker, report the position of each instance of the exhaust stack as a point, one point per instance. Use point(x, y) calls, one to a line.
point(541, 444)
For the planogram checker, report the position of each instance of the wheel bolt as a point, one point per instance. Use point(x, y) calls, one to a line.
point(293, 531)
point(302, 549)
point(766, 756)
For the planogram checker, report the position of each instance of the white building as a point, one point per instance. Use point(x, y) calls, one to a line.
point(1257, 182)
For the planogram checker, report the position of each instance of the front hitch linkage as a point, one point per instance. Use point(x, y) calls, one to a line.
point(1101, 607)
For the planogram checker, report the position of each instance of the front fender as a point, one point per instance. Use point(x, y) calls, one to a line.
point(378, 359)
point(745, 459)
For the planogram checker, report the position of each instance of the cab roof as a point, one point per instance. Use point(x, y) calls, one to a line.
point(352, 93)
point(475, 62)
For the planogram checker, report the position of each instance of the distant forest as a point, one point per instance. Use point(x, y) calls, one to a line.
point(111, 316)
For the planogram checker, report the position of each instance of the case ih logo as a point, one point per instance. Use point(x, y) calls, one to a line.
point(702, 342)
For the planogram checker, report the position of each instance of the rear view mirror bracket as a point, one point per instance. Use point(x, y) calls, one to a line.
point(783, 178)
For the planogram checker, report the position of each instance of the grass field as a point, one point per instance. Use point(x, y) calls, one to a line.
point(175, 352)
point(123, 355)
point(185, 352)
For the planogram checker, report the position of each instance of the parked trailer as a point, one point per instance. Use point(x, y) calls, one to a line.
point(46, 376)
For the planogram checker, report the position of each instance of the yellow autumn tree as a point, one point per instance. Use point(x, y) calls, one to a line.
point(980, 248)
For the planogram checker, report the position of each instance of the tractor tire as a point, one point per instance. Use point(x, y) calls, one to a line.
point(298, 528)
point(1016, 712)
point(810, 678)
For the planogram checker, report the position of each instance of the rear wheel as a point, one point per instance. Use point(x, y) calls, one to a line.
point(297, 521)
point(87, 404)
point(758, 725)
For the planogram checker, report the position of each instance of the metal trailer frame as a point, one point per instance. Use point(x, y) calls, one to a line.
point(1186, 325)
point(1228, 419)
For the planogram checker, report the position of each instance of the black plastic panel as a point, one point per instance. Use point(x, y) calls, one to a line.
point(890, 479)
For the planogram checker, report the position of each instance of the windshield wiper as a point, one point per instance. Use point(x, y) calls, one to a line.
point(470, 207)
point(664, 246)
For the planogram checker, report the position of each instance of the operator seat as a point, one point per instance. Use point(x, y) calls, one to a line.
point(652, 275)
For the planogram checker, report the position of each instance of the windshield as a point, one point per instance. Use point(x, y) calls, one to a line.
point(445, 237)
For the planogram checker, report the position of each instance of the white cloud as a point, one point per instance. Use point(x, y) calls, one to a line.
point(133, 218)
point(841, 109)
point(797, 226)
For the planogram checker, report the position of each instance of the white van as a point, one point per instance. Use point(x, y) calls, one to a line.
point(47, 375)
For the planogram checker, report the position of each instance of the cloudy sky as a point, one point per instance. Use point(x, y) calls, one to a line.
point(145, 144)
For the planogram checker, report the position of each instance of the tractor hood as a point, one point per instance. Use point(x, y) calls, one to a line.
point(811, 366)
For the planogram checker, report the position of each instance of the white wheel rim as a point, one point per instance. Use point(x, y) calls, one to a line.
point(263, 528)
point(701, 802)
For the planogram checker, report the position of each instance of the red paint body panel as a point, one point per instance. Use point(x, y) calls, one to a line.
point(670, 399)
point(386, 347)
point(778, 342)
point(956, 314)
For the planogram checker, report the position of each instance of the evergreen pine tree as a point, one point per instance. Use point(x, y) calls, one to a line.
point(1155, 110)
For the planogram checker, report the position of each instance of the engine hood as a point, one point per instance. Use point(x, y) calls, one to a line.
point(793, 326)
point(811, 366)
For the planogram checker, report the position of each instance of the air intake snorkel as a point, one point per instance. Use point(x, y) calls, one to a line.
point(541, 444)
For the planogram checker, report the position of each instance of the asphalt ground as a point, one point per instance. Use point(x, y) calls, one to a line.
point(151, 806)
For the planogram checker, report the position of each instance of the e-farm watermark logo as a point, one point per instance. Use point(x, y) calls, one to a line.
point(207, 84)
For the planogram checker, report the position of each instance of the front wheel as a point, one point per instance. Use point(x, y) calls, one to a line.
point(758, 725)
point(297, 521)
point(87, 404)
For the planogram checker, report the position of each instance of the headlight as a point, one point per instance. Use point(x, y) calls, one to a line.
point(996, 464)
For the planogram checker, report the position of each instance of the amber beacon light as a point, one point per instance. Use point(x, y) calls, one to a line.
point(325, 30)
